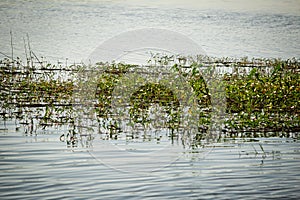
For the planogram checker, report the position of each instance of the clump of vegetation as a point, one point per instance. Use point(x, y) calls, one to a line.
point(261, 101)
point(149, 94)
point(261, 95)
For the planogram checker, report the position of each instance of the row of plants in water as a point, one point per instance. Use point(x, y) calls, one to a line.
point(260, 96)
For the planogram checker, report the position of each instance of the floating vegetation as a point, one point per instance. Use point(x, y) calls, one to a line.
point(262, 97)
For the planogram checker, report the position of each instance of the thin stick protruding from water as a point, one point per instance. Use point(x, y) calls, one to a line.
point(12, 47)
point(25, 49)
point(29, 48)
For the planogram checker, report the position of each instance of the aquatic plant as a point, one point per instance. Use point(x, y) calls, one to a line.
point(262, 95)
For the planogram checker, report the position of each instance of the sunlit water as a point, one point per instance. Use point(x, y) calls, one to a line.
point(40, 166)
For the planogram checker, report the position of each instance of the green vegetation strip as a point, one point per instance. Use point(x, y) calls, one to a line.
point(258, 100)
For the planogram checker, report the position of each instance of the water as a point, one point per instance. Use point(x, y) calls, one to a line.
point(39, 165)
point(73, 29)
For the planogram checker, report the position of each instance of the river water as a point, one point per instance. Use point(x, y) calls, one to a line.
point(73, 29)
point(40, 166)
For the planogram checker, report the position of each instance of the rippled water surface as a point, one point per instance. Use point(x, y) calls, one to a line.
point(41, 166)
point(73, 29)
